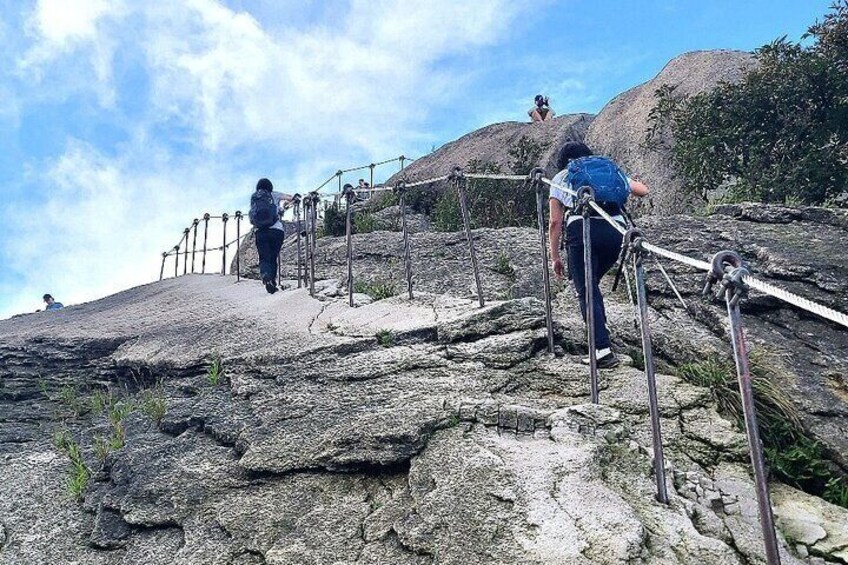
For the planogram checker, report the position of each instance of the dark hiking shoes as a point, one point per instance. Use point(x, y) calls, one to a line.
point(270, 286)
point(606, 359)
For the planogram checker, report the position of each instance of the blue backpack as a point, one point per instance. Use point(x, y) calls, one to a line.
point(606, 179)
point(263, 210)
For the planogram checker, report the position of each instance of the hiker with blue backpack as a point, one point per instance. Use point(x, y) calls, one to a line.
point(265, 216)
point(611, 186)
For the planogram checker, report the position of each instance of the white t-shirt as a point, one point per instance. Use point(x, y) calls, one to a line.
point(278, 197)
point(567, 199)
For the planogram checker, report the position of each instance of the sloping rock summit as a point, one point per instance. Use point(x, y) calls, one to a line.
point(220, 424)
point(619, 130)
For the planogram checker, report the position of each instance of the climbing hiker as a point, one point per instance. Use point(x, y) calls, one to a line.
point(51, 303)
point(541, 111)
point(578, 167)
point(266, 218)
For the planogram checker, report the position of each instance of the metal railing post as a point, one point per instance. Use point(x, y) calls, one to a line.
point(585, 195)
point(728, 269)
point(536, 178)
point(347, 192)
point(400, 191)
point(632, 242)
point(401, 159)
point(238, 245)
point(176, 260)
point(371, 185)
point(458, 180)
point(224, 218)
point(194, 243)
point(185, 253)
point(162, 270)
point(299, 227)
point(280, 254)
point(205, 238)
point(312, 199)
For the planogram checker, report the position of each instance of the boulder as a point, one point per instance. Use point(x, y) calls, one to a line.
point(619, 130)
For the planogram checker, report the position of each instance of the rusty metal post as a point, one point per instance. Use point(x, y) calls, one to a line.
point(459, 182)
point(347, 192)
point(205, 237)
point(238, 245)
point(585, 195)
point(224, 218)
point(536, 178)
point(727, 268)
point(185, 253)
point(298, 227)
point(400, 191)
point(313, 214)
point(194, 243)
point(632, 241)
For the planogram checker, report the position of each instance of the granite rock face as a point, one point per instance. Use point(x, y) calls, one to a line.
point(619, 130)
point(401, 431)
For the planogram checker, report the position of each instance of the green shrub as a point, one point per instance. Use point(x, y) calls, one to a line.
point(778, 135)
point(334, 221)
point(364, 222)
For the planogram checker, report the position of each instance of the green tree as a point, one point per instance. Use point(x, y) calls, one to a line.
point(779, 135)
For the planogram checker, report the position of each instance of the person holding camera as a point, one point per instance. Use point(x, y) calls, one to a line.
point(541, 112)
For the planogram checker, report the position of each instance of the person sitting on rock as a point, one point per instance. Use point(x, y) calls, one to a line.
point(51, 303)
point(541, 111)
point(605, 239)
point(266, 217)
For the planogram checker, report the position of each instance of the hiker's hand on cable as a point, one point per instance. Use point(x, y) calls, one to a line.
point(559, 268)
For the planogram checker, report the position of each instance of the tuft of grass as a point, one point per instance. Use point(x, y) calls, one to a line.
point(385, 338)
point(154, 404)
point(215, 372)
point(377, 291)
point(502, 266)
point(79, 473)
point(792, 456)
point(70, 399)
point(102, 401)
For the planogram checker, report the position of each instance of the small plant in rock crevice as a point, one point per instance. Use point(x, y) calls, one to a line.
point(79, 473)
point(377, 291)
point(215, 372)
point(385, 337)
point(503, 266)
point(792, 455)
point(154, 404)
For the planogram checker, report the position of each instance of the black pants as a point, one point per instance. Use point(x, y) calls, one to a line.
point(268, 244)
point(606, 246)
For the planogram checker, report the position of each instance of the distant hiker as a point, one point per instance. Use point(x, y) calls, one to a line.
point(51, 303)
point(541, 111)
point(578, 167)
point(265, 215)
point(363, 185)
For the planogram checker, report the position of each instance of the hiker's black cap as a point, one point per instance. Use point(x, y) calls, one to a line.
point(570, 151)
point(264, 184)
point(46, 296)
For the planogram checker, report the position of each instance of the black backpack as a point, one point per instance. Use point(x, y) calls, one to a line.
point(263, 210)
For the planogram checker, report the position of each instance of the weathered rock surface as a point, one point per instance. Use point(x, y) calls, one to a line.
point(619, 129)
point(800, 249)
point(456, 440)
point(492, 144)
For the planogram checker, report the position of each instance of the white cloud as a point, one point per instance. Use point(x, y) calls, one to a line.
point(222, 88)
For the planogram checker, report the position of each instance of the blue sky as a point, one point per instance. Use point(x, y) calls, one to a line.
point(123, 120)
